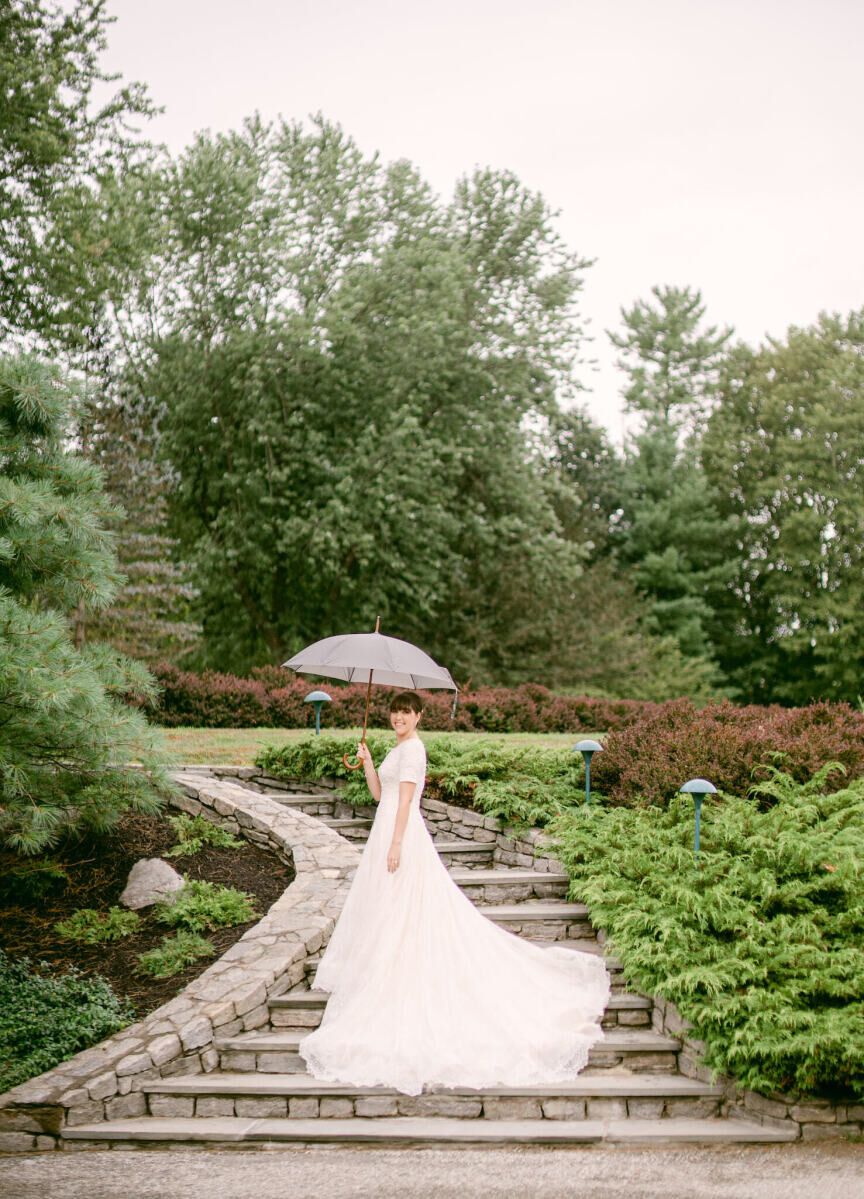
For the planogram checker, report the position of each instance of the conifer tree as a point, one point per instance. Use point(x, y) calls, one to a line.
point(66, 730)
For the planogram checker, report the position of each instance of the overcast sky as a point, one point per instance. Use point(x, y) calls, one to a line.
point(710, 143)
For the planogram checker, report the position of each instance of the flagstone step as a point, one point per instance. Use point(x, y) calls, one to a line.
point(275, 1052)
point(470, 849)
point(601, 1095)
point(402, 1130)
point(506, 885)
point(355, 828)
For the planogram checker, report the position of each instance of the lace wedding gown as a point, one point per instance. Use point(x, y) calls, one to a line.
point(427, 991)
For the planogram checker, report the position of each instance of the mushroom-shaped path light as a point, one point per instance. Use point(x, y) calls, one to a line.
point(587, 749)
point(698, 788)
point(318, 698)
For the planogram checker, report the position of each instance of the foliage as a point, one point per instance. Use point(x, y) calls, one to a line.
point(47, 1017)
point(523, 784)
point(647, 762)
point(92, 927)
point(194, 832)
point(785, 449)
point(30, 881)
point(66, 731)
point(672, 363)
point(202, 905)
point(275, 698)
point(55, 148)
point(308, 313)
point(760, 947)
point(174, 954)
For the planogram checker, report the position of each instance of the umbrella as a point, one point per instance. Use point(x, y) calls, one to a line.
point(356, 657)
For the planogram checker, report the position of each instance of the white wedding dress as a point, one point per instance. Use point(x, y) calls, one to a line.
point(426, 991)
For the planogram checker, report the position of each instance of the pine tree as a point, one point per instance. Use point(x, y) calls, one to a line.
point(66, 730)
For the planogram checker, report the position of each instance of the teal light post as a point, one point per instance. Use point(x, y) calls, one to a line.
point(587, 749)
point(318, 698)
point(698, 788)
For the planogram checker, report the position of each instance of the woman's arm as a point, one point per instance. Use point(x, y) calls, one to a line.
point(406, 794)
point(372, 780)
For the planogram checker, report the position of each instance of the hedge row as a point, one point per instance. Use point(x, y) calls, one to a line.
point(274, 698)
point(648, 761)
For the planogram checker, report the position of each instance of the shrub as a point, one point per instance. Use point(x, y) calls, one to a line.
point(523, 784)
point(194, 832)
point(92, 927)
point(648, 761)
point(761, 947)
point(31, 881)
point(174, 954)
point(47, 1017)
point(202, 905)
point(274, 698)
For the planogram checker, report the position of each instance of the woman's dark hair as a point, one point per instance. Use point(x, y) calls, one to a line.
point(406, 701)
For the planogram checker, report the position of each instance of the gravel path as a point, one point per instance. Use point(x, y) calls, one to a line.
point(730, 1172)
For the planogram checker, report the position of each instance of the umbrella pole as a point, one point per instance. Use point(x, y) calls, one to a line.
point(345, 761)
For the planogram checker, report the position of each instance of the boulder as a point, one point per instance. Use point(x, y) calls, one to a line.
point(151, 880)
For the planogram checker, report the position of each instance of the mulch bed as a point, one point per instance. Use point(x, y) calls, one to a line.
point(98, 871)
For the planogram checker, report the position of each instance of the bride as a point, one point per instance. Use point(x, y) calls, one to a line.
point(425, 990)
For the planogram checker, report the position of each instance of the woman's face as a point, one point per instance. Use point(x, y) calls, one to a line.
point(404, 723)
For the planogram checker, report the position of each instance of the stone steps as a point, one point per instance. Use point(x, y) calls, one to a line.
point(306, 1008)
point(600, 1096)
point(507, 885)
point(275, 1052)
point(466, 852)
point(403, 1130)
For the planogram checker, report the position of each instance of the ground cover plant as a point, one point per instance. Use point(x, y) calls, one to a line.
point(760, 946)
point(523, 784)
point(46, 1017)
point(648, 761)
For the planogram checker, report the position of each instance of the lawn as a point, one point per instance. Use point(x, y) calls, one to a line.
point(239, 747)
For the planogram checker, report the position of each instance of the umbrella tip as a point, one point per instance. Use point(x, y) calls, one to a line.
point(378, 624)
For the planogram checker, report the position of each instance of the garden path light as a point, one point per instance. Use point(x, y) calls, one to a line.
point(318, 698)
point(587, 749)
point(698, 788)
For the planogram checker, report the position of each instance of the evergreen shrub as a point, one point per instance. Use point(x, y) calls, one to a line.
point(760, 946)
point(47, 1017)
point(648, 761)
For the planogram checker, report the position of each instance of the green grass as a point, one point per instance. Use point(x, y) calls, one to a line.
point(240, 747)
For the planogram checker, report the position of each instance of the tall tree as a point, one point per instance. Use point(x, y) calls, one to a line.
point(670, 359)
point(66, 732)
point(346, 366)
point(676, 545)
point(786, 448)
point(55, 150)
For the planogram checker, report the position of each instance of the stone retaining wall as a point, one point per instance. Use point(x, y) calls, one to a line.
point(816, 1119)
point(104, 1082)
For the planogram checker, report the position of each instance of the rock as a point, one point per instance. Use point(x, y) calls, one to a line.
point(150, 880)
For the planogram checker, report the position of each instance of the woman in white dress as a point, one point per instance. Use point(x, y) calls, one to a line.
point(424, 989)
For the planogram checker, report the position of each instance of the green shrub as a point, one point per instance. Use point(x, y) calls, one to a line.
point(523, 784)
point(201, 905)
point(194, 832)
point(761, 947)
point(46, 1017)
point(32, 881)
point(174, 954)
point(91, 927)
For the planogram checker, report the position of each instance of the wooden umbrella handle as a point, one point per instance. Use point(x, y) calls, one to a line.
point(345, 761)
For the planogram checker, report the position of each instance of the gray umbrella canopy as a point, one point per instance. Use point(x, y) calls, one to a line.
point(361, 657)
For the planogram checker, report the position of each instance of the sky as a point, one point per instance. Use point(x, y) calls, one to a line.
point(714, 144)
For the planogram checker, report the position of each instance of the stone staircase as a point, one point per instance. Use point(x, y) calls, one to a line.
point(631, 1092)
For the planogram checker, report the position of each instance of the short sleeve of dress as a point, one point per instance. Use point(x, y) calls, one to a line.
point(412, 761)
